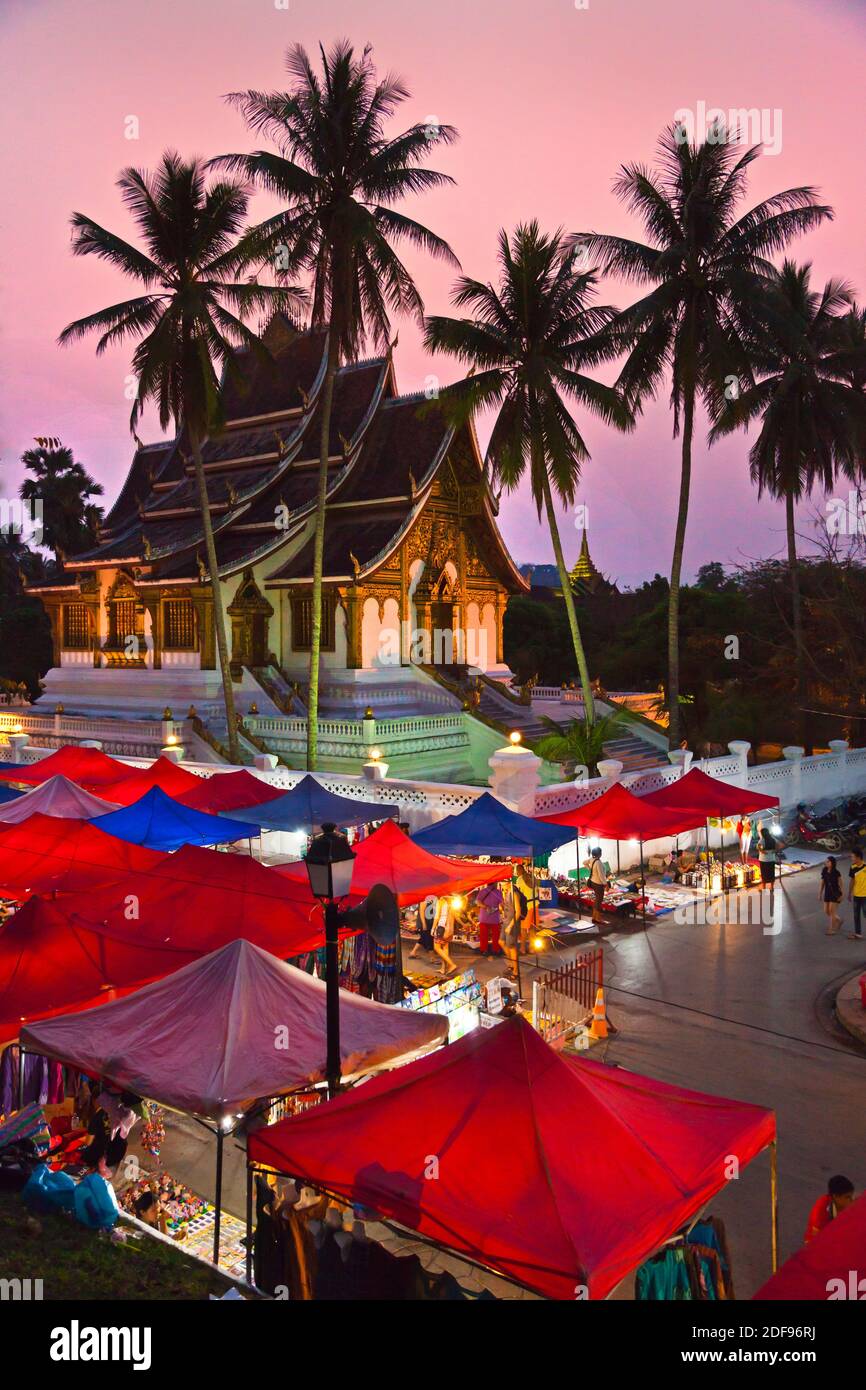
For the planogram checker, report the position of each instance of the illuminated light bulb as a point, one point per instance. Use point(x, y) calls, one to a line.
point(515, 736)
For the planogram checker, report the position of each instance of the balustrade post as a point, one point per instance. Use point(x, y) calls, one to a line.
point(839, 746)
point(793, 754)
point(514, 777)
point(18, 742)
point(740, 749)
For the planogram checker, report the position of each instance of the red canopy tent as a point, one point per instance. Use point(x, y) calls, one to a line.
point(200, 899)
point(389, 856)
point(823, 1269)
point(228, 791)
point(553, 1172)
point(89, 767)
point(44, 855)
point(708, 796)
point(170, 777)
point(51, 961)
point(620, 815)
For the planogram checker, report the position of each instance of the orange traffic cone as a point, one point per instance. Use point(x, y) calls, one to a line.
point(598, 1028)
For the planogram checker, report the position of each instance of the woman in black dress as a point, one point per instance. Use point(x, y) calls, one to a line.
point(830, 893)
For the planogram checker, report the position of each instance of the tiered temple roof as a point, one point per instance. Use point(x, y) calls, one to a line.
point(385, 451)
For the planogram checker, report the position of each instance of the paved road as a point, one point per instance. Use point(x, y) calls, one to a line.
point(734, 1009)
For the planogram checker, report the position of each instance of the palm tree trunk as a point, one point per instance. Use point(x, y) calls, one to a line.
point(218, 616)
point(796, 621)
point(567, 594)
point(319, 551)
point(676, 571)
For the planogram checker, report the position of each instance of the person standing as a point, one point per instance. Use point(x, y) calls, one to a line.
point(427, 913)
point(767, 854)
point(489, 899)
point(830, 893)
point(839, 1195)
point(510, 929)
point(857, 893)
point(443, 935)
point(598, 884)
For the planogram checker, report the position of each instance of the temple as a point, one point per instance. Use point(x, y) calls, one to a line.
point(585, 577)
point(416, 573)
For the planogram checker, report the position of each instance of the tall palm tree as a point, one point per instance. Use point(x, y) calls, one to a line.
point(811, 411)
point(704, 260)
point(64, 490)
point(340, 176)
point(528, 342)
point(189, 321)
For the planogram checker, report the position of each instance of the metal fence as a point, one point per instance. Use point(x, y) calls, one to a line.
point(562, 1000)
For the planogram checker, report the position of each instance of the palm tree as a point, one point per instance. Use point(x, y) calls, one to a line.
point(189, 321)
point(62, 489)
point(705, 259)
point(580, 742)
point(340, 176)
point(812, 412)
point(527, 343)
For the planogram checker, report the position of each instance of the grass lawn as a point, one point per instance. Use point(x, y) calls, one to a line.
point(76, 1263)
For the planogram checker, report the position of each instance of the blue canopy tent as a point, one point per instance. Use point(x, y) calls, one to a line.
point(310, 804)
point(160, 822)
point(8, 793)
point(488, 827)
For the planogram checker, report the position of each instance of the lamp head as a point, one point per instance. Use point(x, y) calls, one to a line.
point(329, 861)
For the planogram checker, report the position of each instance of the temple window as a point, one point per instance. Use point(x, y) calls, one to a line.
point(121, 621)
point(179, 625)
point(302, 623)
point(76, 634)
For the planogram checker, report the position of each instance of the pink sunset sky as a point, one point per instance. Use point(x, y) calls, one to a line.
point(549, 100)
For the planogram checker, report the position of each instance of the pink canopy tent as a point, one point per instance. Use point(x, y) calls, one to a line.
point(388, 856)
point(45, 854)
point(57, 797)
point(226, 1031)
point(89, 767)
point(552, 1171)
point(207, 1039)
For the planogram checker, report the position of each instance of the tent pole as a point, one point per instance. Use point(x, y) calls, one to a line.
point(332, 997)
point(218, 1196)
point(21, 1055)
point(249, 1245)
point(577, 843)
point(709, 871)
point(774, 1200)
point(642, 886)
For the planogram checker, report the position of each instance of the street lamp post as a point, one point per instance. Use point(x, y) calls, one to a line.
point(329, 863)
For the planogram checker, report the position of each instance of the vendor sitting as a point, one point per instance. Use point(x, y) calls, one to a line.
point(110, 1123)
